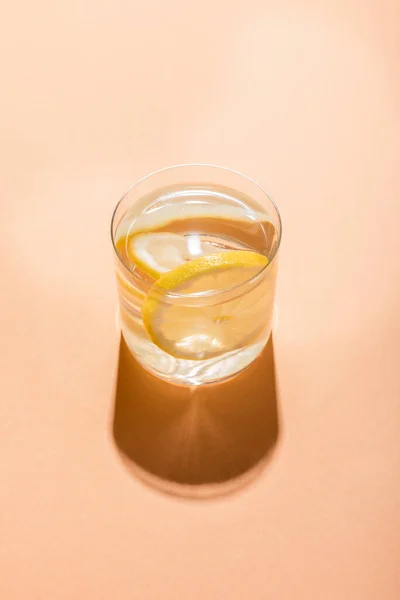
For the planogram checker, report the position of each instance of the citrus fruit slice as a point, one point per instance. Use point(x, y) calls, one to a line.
point(158, 253)
point(195, 326)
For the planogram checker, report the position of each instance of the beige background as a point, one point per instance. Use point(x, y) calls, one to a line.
point(305, 98)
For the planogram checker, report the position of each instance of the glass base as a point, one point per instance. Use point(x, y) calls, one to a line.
point(192, 372)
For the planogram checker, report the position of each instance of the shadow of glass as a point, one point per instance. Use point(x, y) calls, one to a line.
point(196, 442)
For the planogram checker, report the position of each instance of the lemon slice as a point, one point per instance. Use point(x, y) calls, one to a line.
point(202, 330)
point(158, 253)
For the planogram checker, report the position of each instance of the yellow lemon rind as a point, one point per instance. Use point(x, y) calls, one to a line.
point(171, 280)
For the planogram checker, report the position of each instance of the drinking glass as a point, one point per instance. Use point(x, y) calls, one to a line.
point(196, 255)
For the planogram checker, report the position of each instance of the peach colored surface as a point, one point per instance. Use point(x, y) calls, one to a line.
point(301, 458)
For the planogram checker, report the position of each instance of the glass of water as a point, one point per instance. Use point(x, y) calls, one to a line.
point(196, 252)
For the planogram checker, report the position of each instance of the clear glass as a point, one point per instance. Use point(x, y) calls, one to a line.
point(195, 329)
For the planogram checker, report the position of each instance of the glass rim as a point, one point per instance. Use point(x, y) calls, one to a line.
point(213, 293)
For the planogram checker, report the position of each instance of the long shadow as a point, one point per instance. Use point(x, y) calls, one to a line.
point(198, 442)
